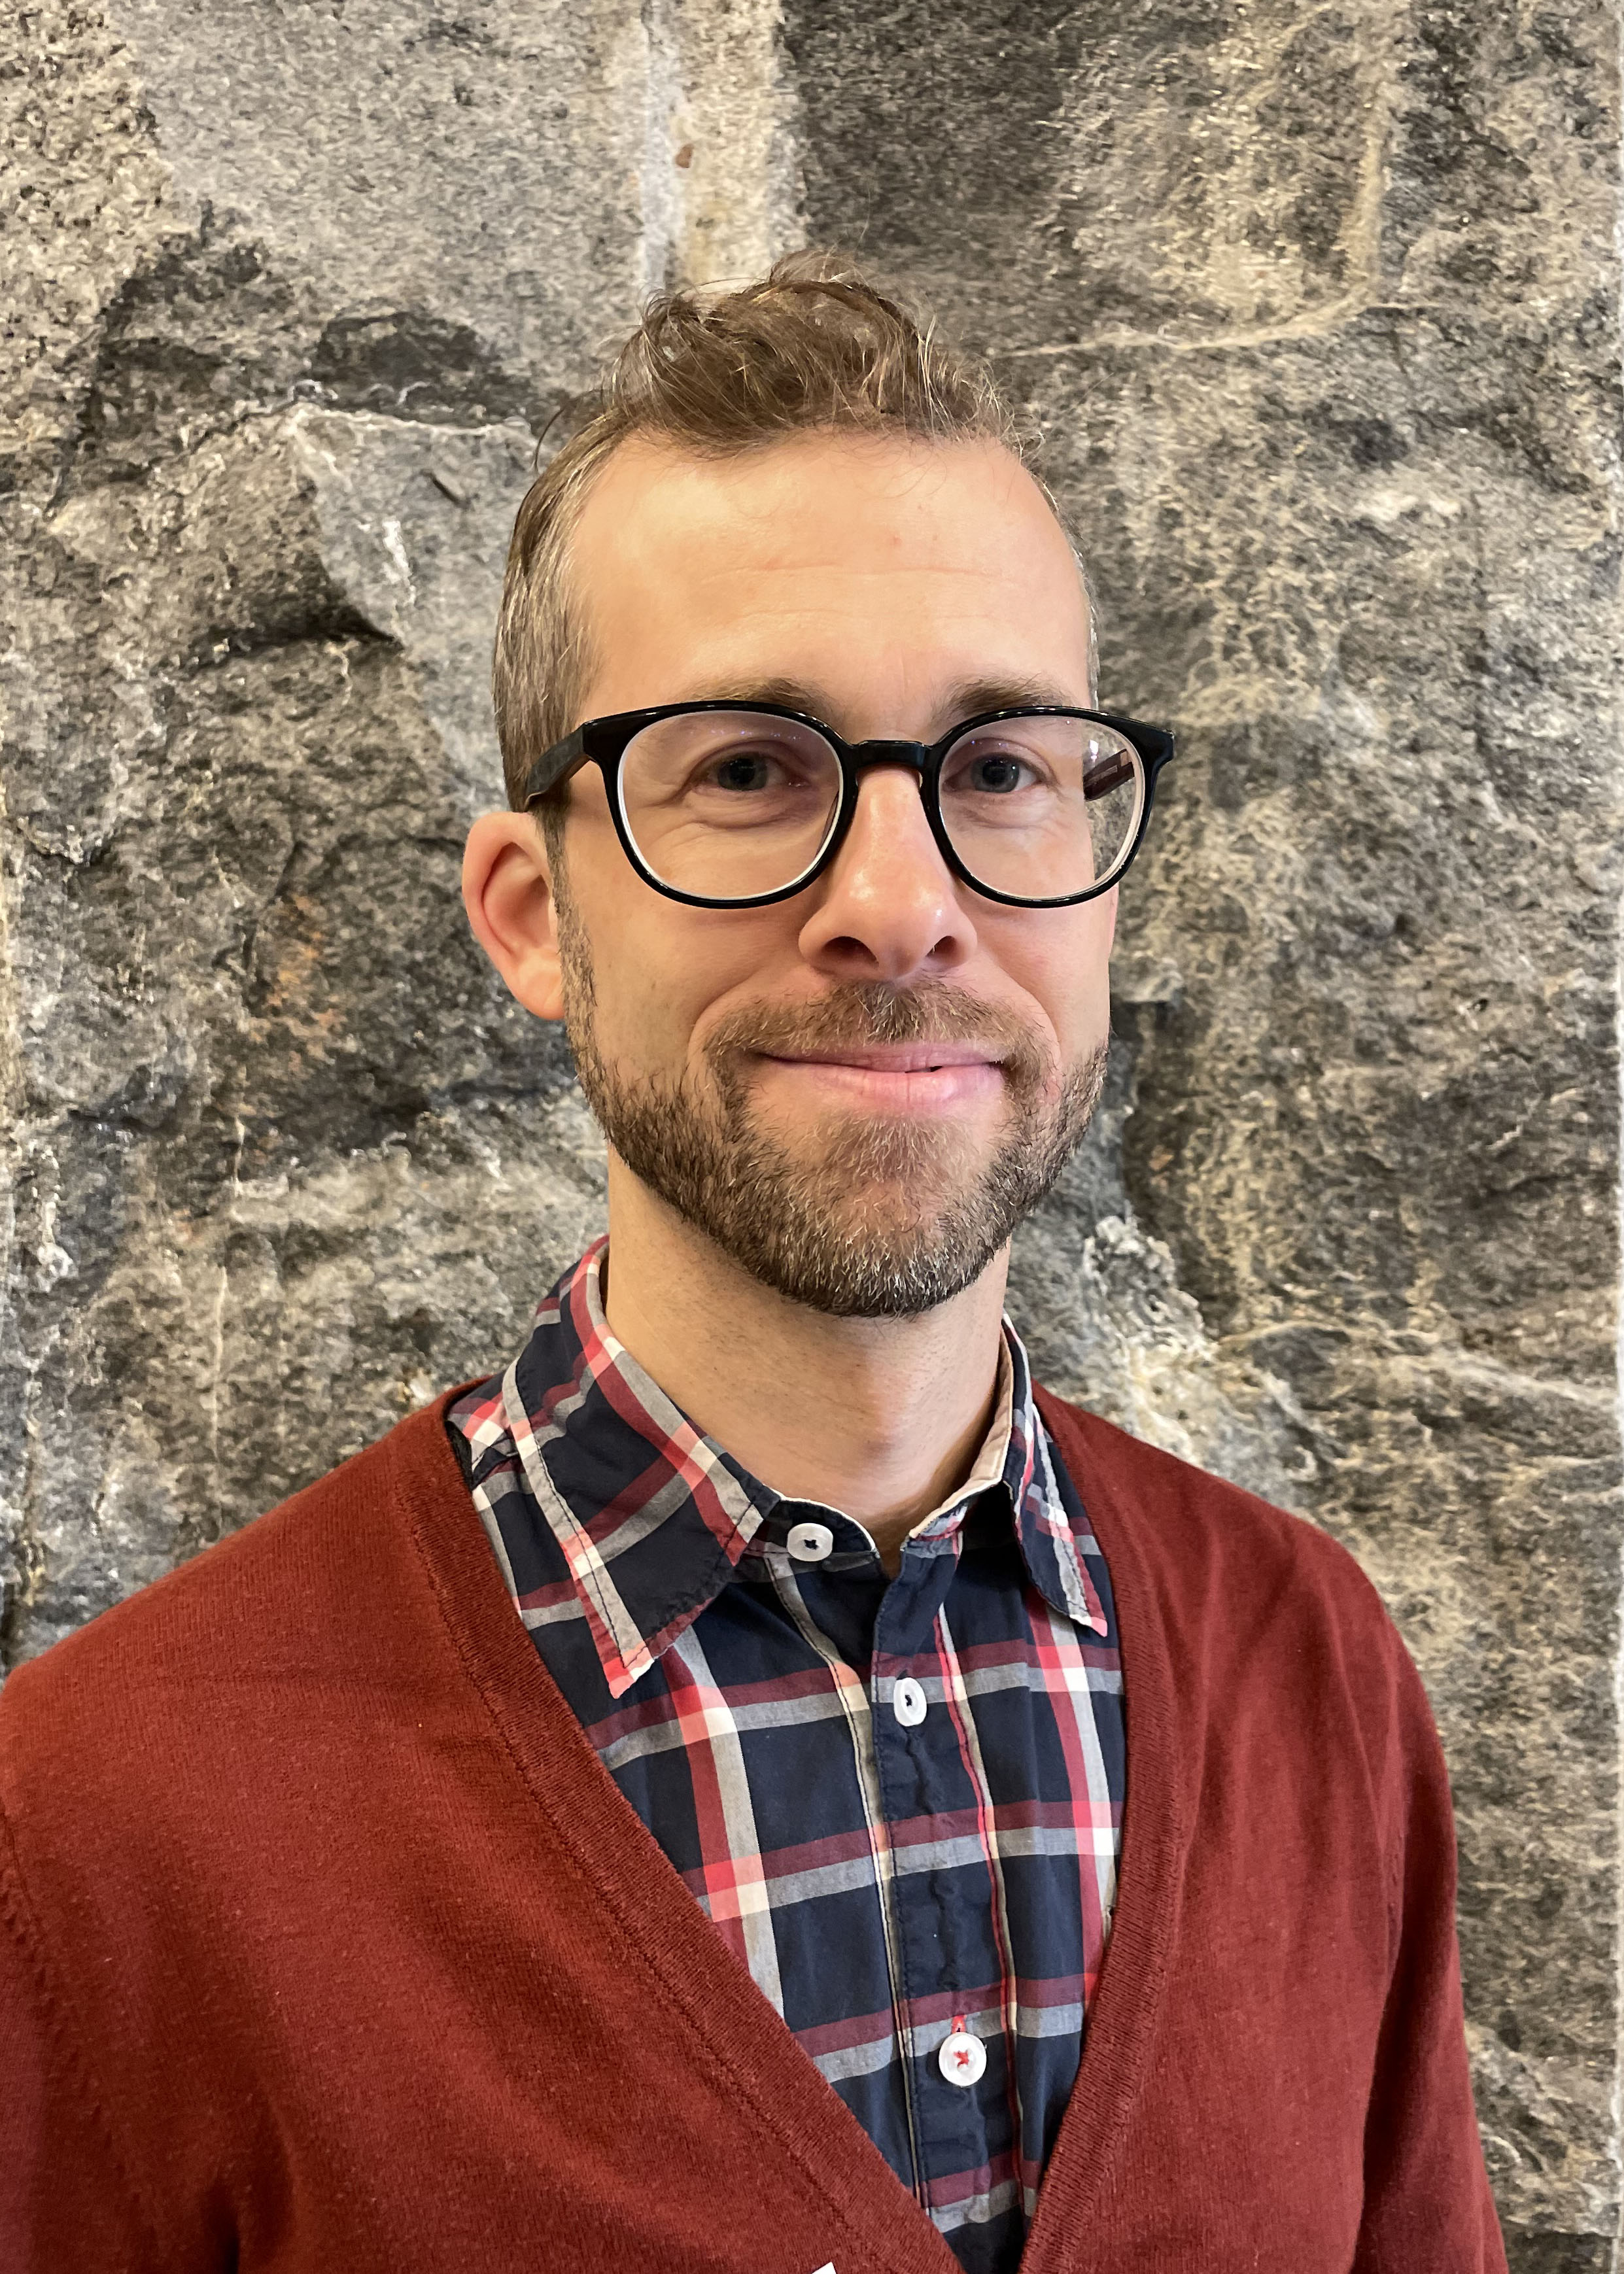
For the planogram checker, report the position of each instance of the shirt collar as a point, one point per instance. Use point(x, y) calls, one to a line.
point(652, 1518)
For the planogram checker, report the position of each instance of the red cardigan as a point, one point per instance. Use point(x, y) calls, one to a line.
point(330, 1944)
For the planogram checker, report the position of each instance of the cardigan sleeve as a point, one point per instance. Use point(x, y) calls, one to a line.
point(1426, 2191)
point(64, 2200)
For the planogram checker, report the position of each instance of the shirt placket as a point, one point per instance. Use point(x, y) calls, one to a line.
point(938, 1952)
point(835, 1608)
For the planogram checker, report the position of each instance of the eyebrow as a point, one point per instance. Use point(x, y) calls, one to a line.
point(969, 699)
point(787, 694)
point(972, 696)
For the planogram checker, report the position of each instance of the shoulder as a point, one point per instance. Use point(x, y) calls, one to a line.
point(1178, 1511)
point(305, 1597)
point(1211, 1578)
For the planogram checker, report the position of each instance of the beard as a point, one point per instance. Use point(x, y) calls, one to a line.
point(863, 1216)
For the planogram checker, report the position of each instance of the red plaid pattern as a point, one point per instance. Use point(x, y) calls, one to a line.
point(888, 1879)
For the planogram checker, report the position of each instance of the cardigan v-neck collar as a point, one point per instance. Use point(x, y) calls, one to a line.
point(665, 1935)
point(651, 1520)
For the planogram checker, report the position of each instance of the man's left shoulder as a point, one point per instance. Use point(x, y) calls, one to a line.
point(1210, 1553)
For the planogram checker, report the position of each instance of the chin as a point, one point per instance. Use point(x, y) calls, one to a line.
point(895, 1155)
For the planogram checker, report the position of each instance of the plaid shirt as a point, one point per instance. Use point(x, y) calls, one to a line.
point(900, 1801)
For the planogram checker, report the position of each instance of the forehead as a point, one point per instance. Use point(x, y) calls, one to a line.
point(877, 568)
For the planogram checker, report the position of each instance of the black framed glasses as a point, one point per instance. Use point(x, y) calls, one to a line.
point(736, 804)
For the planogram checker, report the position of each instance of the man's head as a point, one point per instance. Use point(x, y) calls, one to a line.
point(793, 495)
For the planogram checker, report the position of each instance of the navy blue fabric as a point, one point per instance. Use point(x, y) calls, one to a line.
point(885, 1885)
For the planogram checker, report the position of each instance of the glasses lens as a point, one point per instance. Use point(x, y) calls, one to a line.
point(729, 804)
point(1041, 807)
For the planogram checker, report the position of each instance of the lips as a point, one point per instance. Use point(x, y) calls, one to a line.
point(879, 1047)
point(905, 1080)
point(892, 1058)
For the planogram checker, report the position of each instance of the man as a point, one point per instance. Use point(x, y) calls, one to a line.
point(753, 1786)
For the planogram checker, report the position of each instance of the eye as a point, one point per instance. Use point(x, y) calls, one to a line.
point(998, 772)
point(978, 771)
point(743, 770)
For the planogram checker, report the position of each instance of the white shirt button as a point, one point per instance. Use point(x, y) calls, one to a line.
point(907, 1702)
point(962, 2058)
point(810, 1543)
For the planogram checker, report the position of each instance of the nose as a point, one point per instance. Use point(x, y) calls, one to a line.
point(888, 907)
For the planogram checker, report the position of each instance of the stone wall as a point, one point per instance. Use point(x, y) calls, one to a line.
point(1320, 310)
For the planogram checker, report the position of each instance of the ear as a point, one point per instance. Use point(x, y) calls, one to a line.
point(508, 892)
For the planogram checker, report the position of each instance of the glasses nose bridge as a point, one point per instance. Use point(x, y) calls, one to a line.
point(858, 759)
point(915, 755)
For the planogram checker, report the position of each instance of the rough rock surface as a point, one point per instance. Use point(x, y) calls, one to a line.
point(1318, 309)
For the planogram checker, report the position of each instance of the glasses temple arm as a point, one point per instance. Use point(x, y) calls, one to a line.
point(550, 768)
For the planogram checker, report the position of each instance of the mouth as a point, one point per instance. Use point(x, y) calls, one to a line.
point(905, 1079)
point(892, 1058)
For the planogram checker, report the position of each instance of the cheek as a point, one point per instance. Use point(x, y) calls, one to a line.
point(662, 972)
point(623, 924)
point(1065, 969)
point(646, 993)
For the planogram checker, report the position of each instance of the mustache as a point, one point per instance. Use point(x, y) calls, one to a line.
point(858, 1012)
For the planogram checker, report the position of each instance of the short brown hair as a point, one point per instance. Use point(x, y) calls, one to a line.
point(813, 346)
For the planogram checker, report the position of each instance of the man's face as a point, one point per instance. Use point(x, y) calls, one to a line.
point(858, 1091)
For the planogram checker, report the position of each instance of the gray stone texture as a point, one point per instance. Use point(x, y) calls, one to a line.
point(1318, 309)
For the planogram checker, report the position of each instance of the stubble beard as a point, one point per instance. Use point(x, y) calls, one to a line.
point(866, 1216)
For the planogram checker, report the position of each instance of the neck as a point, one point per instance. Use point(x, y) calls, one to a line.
point(878, 1418)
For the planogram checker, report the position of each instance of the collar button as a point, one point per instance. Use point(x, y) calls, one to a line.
point(810, 1543)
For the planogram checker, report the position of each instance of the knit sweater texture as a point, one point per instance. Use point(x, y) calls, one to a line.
point(326, 1941)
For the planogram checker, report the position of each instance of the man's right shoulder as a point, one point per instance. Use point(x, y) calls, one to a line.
point(262, 1622)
